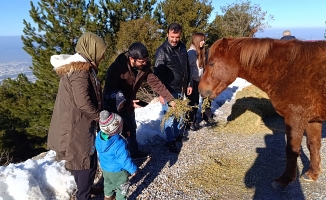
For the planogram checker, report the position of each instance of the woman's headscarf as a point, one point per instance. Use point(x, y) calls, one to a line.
point(92, 46)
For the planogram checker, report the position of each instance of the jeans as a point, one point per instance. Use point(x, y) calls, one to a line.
point(172, 126)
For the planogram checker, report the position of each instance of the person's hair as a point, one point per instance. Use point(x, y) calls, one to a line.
point(195, 41)
point(137, 51)
point(175, 27)
point(286, 32)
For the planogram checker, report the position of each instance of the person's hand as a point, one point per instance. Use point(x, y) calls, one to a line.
point(132, 175)
point(161, 100)
point(135, 105)
point(189, 90)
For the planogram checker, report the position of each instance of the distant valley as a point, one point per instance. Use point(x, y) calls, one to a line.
point(13, 59)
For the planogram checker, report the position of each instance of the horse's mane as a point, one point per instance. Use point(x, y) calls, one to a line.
point(253, 51)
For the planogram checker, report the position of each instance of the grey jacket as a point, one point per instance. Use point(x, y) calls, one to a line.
point(195, 71)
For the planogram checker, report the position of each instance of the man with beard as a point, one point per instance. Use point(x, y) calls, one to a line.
point(125, 75)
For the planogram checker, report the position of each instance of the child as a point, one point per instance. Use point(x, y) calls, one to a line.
point(114, 157)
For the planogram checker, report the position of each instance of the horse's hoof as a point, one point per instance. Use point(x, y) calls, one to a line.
point(306, 177)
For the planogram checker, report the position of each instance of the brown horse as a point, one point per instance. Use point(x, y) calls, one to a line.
point(293, 75)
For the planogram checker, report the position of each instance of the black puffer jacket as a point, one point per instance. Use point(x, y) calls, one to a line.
point(172, 67)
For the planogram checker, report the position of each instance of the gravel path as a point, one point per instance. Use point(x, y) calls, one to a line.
point(242, 167)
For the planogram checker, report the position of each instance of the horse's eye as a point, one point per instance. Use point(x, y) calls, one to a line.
point(211, 64)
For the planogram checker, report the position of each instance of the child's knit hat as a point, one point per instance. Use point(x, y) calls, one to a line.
point(110, 123)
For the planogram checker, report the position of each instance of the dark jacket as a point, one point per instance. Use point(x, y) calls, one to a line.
point(73, 124)
point(120, 76)
point(288, 37)
point(172, 67)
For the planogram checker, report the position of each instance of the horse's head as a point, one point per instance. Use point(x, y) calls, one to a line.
point(220, 70)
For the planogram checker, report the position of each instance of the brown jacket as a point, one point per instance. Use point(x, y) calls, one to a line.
point(119, 76)
point(76, 110)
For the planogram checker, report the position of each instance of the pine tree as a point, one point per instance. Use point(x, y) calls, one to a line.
point(145, 31)
point(118, 11)
point(16, 117)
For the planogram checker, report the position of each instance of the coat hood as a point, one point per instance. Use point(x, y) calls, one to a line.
point(64, 63)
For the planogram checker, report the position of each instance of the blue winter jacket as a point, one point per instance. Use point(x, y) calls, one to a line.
point(113, 154)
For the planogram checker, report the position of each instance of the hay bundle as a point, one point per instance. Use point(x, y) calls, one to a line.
point(179, 112)
point(205, 105)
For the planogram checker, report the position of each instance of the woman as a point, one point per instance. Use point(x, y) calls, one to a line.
point(76, 110)
point(196, 56)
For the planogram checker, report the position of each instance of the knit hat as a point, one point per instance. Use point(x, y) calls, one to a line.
point(110, 123)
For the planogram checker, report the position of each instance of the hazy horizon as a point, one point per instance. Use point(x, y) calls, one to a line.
point(13, 59)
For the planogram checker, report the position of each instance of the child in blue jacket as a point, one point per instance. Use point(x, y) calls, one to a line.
point(114, 157)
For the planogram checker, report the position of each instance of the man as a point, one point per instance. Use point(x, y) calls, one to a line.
point(172, 68)
point(287, 35)
point(125, 75)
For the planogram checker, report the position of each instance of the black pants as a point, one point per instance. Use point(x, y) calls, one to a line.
point(85, 179)
point(194, 101)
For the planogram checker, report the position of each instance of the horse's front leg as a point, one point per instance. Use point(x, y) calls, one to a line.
point(313, 131)
point(294, 136)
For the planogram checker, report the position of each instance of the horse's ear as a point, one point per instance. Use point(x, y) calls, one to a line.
point(223, 45)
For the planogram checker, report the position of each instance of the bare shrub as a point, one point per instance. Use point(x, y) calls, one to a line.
point(145, 93)
point(5, 157)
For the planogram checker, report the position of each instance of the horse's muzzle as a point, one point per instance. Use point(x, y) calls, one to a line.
point(204, 93)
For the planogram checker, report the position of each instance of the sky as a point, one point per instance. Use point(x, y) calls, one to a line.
point(305, 19)
point(47, 179)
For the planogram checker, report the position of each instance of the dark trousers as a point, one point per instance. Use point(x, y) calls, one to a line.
point(84, 179)
point(129, 121)
point(194, 101)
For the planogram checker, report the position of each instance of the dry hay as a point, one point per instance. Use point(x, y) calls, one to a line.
point(205, 105)
point(252, 105)
point(179, 112)
point(216, 173)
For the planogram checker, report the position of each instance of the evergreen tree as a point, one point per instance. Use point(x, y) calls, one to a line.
point(139, 30)
point(16, 119)
point(118, 11)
